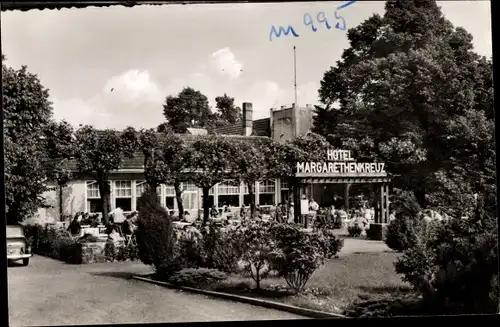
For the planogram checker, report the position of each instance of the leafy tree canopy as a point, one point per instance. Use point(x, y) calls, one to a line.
point(400, 91)
point(227, 112)
point(190, 108)
point(27, 112)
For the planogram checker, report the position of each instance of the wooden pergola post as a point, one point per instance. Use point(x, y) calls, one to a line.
point(382, 204)
point(386, 203)
point(346, 196)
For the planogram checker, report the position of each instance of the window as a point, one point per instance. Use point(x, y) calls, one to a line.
point(189, 195)
point(93, 197)
point(123, 195)
point(140, 188)
point(169, 197)
point(189, 186)
point(284, 185)
point(268, 186)
point(228, 194)
point(267, 190)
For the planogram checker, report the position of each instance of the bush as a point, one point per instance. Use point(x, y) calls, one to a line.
point(256, 248)
point(197, 277)
point(454, 265)
point(110, 251)
point(354, 230)
point(405, 203)
point(299, 253)
point(187, 249)
point(54, 243)
point(401, 234)
point(155, 234)
point(222, 249)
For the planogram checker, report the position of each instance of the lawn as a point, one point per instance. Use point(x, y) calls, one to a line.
point(334, 287)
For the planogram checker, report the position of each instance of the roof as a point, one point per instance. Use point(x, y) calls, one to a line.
point(137, 162)
point(260, 127)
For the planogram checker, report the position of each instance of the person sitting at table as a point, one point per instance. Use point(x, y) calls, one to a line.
point(75, 228)
point(243, 212)
point(213, 212)
point(129, 227)
point(186, 216)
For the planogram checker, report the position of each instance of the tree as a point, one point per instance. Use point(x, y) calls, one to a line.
point(249, 165)
point(149, 144)
point(60, 149)
point(257, 248)
point(211, 159)
point(411, 68)
point(173, 165)
point(282, 159)
point(98, 153)
point(227, 112)
point(27, 111)
point(190, 108)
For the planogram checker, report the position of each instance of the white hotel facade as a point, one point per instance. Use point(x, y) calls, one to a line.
point(128, 184)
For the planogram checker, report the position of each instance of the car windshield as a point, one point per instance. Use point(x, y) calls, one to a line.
point(15, 231)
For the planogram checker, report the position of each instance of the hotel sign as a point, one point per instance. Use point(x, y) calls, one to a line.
point(340, 163)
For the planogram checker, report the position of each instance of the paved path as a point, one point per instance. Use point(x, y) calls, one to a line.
point(49, 292)
point(359, 244)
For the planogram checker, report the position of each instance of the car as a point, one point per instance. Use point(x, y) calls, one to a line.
point(18, 247)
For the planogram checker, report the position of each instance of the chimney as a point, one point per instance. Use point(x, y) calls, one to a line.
point(283, 107)
point(247, 119)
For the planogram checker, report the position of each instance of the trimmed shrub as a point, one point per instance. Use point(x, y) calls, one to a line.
point(155, 235)
point(197, 277)
point(401, 234)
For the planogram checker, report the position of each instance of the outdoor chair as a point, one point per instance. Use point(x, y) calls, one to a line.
point(130, 239)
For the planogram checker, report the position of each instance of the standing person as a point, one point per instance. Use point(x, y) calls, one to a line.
point(333, 215)
point(278, 213)
point(313, 210)
point(392, 216)
point(118, 218)
point(342, 216)
point(291, 213)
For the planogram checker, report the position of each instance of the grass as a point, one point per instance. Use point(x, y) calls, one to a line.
point(334, 287)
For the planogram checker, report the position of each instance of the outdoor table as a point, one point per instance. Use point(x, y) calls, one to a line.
point(94, 231)
point(181, 225)
point(102, 229)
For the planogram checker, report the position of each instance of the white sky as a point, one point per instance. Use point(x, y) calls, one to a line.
point(149, 52)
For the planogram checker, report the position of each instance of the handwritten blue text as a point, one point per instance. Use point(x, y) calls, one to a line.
point(309, 21)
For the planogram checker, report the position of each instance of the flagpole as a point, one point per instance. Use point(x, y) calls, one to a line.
point(295, 73)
